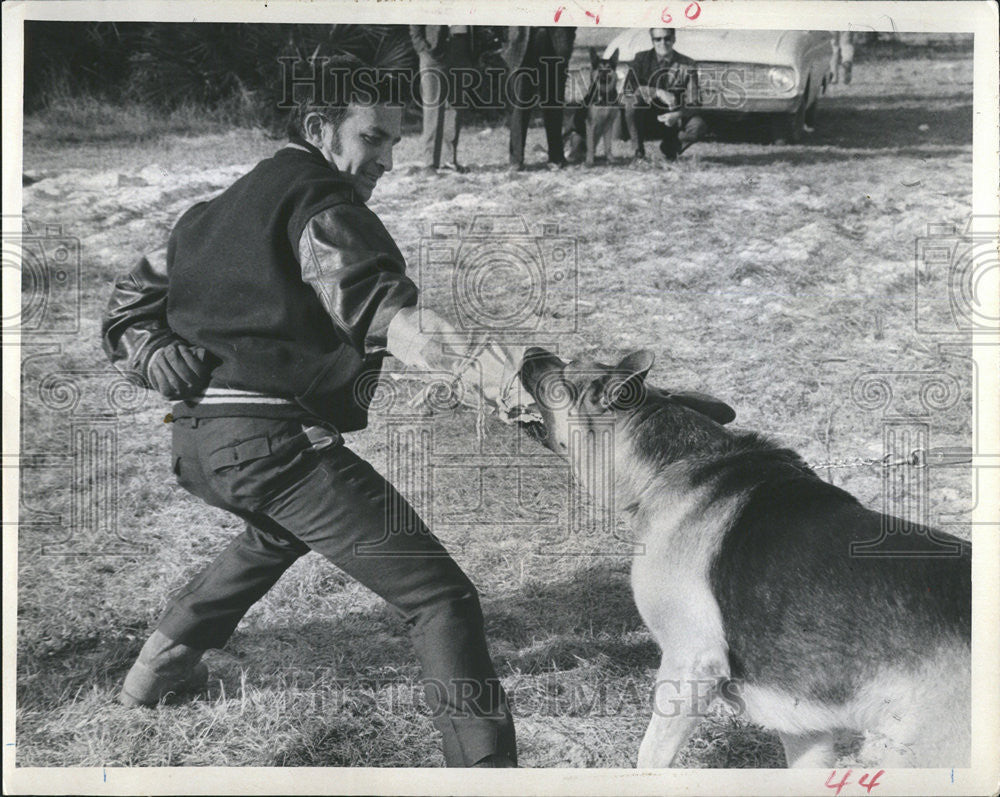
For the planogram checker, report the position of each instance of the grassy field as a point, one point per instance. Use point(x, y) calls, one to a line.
point(772, 276)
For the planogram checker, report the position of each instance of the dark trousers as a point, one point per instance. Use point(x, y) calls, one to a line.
point(673, 140)
point(297, 497)
point(442, 120)
point(540, 80)
point(439, 139)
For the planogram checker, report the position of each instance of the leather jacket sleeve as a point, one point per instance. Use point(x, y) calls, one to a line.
point(351, 262)
point(135, 323)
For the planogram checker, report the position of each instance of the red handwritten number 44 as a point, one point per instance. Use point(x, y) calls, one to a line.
point(692, 12)
point(866, 781)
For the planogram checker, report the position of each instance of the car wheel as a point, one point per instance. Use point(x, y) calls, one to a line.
point(787, 128)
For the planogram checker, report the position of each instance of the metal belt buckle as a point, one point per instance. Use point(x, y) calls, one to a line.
point(321, 436)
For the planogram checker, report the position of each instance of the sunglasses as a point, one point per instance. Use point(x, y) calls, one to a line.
point(663, 38)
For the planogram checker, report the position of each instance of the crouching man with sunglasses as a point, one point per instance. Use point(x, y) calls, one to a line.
point(661, 95)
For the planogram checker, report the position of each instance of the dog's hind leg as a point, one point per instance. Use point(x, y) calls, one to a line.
point(682, 695)
point(814, 750)
point(684, 619)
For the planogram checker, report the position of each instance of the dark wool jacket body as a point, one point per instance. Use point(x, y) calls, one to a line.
point(286, 279)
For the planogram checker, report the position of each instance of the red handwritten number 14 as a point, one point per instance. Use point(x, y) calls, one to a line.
point(865, 781)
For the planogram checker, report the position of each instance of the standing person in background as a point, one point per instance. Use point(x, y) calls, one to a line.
point(843, 55)
point(441, 48)
point(537, 59)
point(660, 89)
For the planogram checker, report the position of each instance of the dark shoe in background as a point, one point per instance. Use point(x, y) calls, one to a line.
point(670, 151)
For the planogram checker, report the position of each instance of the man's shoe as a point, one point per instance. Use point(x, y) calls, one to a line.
point(458, 168)
point(164, 667)
point(670, 152)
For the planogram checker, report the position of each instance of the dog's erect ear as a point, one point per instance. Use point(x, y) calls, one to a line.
point(593, 58)
point(626, 389)
point(638, 362)
point(614, 59)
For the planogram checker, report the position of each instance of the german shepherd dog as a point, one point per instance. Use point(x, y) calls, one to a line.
point(746, 579)
point(595, 118)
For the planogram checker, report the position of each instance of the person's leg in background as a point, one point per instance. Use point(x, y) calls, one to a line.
point(458, 58)
point(523, 88)
point(553, 95)
point(693, 129)
point(631, 111)
point(433, 98)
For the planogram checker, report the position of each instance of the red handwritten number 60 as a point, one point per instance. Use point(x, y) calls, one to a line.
point(692, 12)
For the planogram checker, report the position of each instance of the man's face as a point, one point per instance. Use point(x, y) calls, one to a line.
point(663, 41)
point(361, 145)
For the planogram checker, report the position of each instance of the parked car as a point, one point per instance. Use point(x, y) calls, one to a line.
point(778, 73)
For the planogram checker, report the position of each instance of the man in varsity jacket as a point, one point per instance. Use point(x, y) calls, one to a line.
point(270, 308)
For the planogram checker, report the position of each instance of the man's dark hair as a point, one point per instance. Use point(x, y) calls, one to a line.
point(343, 79)
point(671, 31)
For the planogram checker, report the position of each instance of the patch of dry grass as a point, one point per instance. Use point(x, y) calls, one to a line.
point(771, 276)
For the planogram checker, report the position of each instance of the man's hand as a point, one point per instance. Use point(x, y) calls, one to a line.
point(179, 370)
point(667, 98)
point(492, 374)
point(426, 340)
point(671, 118)
point(486, 370)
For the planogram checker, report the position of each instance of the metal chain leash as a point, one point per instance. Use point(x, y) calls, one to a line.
point(510, 413)
point(917, 458)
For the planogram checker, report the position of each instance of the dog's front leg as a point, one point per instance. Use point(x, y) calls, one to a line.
point(682, 695)
point(632, 125)
point(609, 134)
point(591, 139)
point(815, 750)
